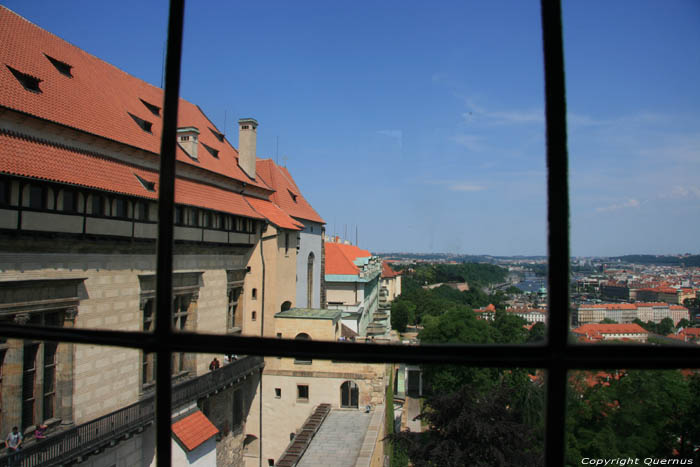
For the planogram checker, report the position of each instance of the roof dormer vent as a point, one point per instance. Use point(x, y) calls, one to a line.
point(219, 136)
point(144, 124)
point(155, 110)
point(212, 151)
point(187, 139)
point(62, 67)
point(30, 83)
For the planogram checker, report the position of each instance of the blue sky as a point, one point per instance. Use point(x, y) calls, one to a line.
point(424, 124)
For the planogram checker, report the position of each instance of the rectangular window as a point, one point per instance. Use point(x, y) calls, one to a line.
point(49, 379)
point(28, 383)
point(120, 208)
point(37, 197)
point(141, 209)
point(4, 192)
point(70, 201)
point(302, 392)
point(98, 205)
point(278, 392)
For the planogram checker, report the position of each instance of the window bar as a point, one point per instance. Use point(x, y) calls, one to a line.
point(558, 229)
point(164, 262)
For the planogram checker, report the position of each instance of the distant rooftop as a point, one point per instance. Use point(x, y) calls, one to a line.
point(310, 313)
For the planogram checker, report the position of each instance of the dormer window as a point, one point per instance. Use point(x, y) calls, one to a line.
point(212, 151)
point(294, 196)
point(30, 83)
point(155, 110)
point(144, 124)
point(62, 67)
point(150, 186)
point(219, 136)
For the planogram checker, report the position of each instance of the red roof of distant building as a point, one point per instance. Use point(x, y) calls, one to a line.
point(387, 272)
point(287, 195)
point(627, 328)
point(340, 257)
point(98, 98)
point(194, 430)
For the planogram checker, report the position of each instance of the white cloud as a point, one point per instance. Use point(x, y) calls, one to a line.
point(629, 203)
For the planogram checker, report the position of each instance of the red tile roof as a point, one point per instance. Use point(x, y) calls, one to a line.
point(340, 257)
point(387, 272)
point(98, 98)
point(287, 195)
point(594, 329)
point(193, 430)
point(274, 214)
point(37, 159)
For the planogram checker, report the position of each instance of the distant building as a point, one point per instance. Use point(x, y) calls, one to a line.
point(390, 284)
point(628, 312)
point(352, 284)
point(604, 332)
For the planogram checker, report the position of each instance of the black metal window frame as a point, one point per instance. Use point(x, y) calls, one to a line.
point(556, 356)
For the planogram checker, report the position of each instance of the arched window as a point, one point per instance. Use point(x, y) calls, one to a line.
point(310, 280)
point(349, 394)
point(302, 337)
point(286, 306)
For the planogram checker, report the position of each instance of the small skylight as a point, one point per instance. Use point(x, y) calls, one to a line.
point(150, 186)
point(145, 125)
point(62, 67)
point(155, 110)
point(212, 151)
point(29, 82)
point(219, 136)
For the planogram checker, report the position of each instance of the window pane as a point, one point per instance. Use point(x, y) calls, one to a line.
point(633, 123)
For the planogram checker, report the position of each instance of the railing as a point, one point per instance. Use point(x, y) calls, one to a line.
point(89, 437)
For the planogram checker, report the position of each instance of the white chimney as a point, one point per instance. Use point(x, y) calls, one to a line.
point(247, 138)
point(187, 139)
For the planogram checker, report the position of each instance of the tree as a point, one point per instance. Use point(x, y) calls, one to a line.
point(665, 327)
point(402, 312)
point(608, 321)
point(684, 323)
point(510, 328)
point(467, 427)
point(537, 333)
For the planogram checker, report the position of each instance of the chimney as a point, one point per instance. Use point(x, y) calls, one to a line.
point(187, 139)
point(247, 137)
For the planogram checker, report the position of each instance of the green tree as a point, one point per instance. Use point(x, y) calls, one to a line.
point(537, 333)
point(684, 323)
point(510, 328)
point(608, 321)
point(402, 313)
point(474, 429)
point(665, 327)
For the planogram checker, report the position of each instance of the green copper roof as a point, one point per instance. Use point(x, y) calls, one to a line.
point(310, 313)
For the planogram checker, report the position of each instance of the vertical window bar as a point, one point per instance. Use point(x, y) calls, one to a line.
point(166, 202)
point(558, 228)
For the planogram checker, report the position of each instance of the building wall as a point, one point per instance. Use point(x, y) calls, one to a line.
point(108, 378)
point(343, 292)
point(139, 449)
point(310, 241)
point(316, 329)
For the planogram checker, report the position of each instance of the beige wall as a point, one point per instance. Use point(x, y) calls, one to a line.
point(317, 329)
point(346, 292)
point(108, 378)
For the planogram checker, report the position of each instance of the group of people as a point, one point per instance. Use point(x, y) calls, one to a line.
point(14, 440)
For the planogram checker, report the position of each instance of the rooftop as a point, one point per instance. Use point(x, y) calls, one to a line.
point(310, 313)
point(339, 440)
point(194, 430)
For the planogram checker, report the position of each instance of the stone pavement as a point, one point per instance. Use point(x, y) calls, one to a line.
point(339, 441)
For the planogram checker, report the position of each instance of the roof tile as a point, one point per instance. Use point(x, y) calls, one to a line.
point(194, 430)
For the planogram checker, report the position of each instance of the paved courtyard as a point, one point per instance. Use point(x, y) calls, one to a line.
point(339, 440)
